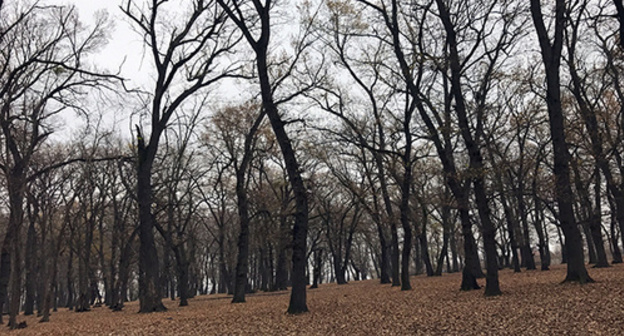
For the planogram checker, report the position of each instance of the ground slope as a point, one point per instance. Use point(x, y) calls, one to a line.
point(533, 303)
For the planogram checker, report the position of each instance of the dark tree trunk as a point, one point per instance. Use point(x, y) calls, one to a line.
point(407, 233)
point(149, 276)
point(224, 274)
point(70, 275)
point(31, 272)
point(384, 272)
point(591, 124)
point(591, 247)
point(265, 278)
point(12, 248)
point(551, 55)
point(84, 265)
point(595, 224)
point(316, 272)
point(511, 229)
point(584, 213)
point(618, 199)
point(617, 255)
point(527, 252)
point(511, 222)
point(240, 285)
point(389, 252)
point(424, 248)
point(394, 241)
point(446, 214)
point(454, 255)
point(300, 229)
point(341, 278)
point(102, 261)
point(5, 269)
point(281, 272)
point(418, 259)
point(476, 159)
point(121, 285)
point(472, 267)
point(182, 270)
point(544, 250)
point(49, 287)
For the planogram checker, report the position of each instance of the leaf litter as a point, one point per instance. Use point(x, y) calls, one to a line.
point(533, 303)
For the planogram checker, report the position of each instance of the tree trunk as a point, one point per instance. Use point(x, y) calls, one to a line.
point(472, 267)
point(31, 272)
point(591, 124)
point(12, 247)
point(551, 55)
point(476, 159)
point(84, 265)
point(526, 250)
point(300, 229)
point(182, 270)
point(595, 224)
point(544, 250)
point(339, 270)
point(454, 255)
point(149, 276)
point(281, 272)
point(394, 243)
point(511, 229)
point(617, 255)
point(424, 248)
point(384, 272)
point(5, 269)
point(446, 227)
point(240, 286)
point(70, 270)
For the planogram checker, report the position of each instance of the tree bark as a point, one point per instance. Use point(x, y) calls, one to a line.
point(446, 226)
point(394, 243)
point(182, 270)
point(300, 229)
point(240, 285)
point(551, 56)
point(476, 159)
point(617, 254)
point(149, 277)
point(31, 281)
point(11, 249)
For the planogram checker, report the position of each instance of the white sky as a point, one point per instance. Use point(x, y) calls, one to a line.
point(122, 54)
point(125, 53)
point(125, 45)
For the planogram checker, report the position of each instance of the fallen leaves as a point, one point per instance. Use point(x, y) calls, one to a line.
point(533, 302)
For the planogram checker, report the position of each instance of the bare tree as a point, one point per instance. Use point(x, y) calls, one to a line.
point(187, 53)
point(42, 73)
point(551, 51)
point(253, 19)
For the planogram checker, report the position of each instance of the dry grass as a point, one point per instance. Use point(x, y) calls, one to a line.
point(533, 303)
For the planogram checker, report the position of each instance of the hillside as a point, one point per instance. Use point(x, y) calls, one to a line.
point(533, 303)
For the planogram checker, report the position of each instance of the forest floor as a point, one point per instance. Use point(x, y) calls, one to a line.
point(533, 303)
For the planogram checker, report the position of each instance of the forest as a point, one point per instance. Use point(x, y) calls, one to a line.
point(280, 145)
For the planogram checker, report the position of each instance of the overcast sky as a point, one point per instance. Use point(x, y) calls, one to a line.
point(124, 46)
point(125, 51)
